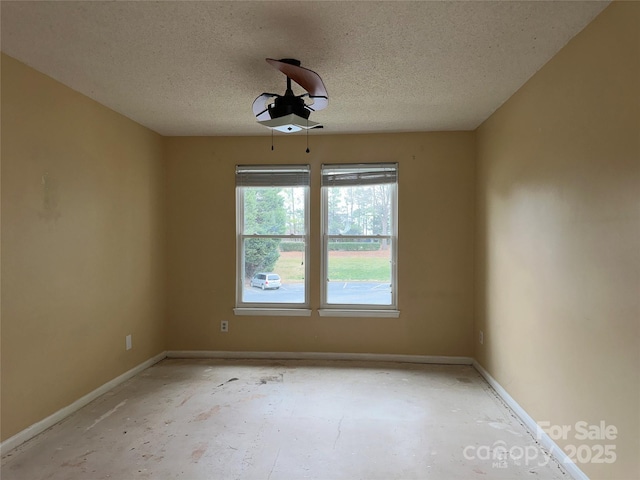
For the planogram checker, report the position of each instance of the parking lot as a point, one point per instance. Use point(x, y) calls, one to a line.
point(367, 293)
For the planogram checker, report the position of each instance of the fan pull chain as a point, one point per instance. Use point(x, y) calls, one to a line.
point(272, 140)
point(307, 135)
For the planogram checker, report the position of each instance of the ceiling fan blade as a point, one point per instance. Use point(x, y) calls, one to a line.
point(260, 103)
point(307, 79)
point(263, 116)
point(318, 103)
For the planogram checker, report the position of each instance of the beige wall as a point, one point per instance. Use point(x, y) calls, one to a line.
point(557, 276)
point(82, 254)
point(435, 258)
point(559, 238)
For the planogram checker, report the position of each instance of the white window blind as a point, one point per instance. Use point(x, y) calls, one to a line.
point(356, 175)
point(272, 175)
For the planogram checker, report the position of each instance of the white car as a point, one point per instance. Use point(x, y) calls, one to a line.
point(266, 280)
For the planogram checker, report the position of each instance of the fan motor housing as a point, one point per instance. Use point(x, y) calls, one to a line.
point(286, 105)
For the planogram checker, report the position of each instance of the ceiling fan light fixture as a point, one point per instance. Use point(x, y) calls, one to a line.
point(289, 123)
point(289, 113)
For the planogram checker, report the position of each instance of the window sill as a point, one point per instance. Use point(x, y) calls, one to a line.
point(326, 312)
point(273, 312)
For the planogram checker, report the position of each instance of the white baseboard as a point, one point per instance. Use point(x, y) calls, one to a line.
point(33, 430)
point(545, 440)
point(365, 357)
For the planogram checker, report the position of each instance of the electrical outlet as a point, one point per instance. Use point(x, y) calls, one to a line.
point(224, 326)
point(481, 337)
point(127, 342)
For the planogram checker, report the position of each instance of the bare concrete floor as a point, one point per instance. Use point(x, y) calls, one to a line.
point(224, 419)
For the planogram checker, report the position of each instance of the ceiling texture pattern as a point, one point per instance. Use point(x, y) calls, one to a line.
point(194, 68)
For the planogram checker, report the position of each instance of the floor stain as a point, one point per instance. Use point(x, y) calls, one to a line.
point(208, 414)
point(199, 452)
point(230, 380)
point(79, 460)
point(271, 378)
point(186, 399)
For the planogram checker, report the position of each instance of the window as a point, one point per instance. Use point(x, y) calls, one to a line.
point(359, 240)
point(272, 205)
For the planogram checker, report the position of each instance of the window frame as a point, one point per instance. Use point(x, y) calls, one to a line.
point(270, 308)
point(351, 309)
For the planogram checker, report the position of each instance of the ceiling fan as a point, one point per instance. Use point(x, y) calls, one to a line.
point(289, 113)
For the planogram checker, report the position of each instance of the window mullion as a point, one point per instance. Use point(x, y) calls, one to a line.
point(283, 237)
point(364, 237)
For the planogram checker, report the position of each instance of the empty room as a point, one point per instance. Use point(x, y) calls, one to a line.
point(325, 240)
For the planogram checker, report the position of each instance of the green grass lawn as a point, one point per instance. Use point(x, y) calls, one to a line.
point(290, 268)
point(359, 269)
point(355, 268)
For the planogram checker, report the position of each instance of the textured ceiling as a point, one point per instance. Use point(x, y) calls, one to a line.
point(194, 68)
